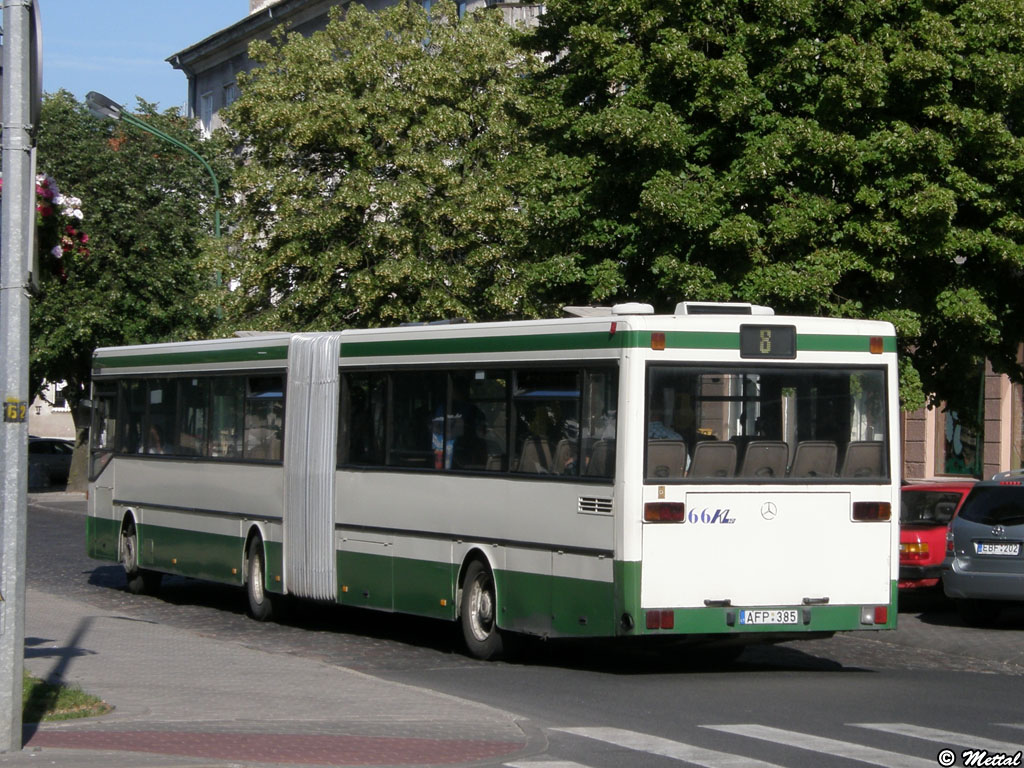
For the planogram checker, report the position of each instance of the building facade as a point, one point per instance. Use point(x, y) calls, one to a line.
point(937, 445)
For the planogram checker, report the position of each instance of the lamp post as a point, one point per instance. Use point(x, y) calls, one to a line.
point(103, 107)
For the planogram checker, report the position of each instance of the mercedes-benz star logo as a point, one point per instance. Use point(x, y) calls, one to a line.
point(769, 511)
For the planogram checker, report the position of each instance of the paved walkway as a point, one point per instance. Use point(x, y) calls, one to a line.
point(182, 699)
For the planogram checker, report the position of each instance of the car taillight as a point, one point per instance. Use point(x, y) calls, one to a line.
point(664, 512)
point(949, 540)
point(872, 510)
point(914, 551)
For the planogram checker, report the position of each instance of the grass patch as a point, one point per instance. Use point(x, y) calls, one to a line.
point(42, 701)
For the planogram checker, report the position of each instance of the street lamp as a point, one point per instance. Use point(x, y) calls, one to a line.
point(103, 107)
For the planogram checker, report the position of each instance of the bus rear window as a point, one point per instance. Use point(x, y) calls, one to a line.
point(765, 424)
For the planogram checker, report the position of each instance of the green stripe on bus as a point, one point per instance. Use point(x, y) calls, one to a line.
point(548, 342)
point(581, 341)
point(191, 357)
point(810, 342)
point(210, 556)
point(101, 538)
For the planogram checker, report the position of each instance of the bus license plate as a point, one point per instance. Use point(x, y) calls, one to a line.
point(778, 616)
point(997, 548)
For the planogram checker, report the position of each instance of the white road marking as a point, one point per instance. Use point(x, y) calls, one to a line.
point(944, 737)
point(677, 750)
point(822, 745)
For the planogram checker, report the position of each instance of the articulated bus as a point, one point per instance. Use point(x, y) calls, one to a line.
point(718, 473)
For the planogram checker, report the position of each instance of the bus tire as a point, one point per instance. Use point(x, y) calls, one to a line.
point(261, 604)
point(138, 581)
point(479, 615)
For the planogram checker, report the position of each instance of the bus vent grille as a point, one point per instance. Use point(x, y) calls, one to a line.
point(595, 505)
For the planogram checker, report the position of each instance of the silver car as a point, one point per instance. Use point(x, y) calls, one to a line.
point(987, 537)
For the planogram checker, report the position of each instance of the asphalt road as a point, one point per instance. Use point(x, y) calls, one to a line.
point(896, 698)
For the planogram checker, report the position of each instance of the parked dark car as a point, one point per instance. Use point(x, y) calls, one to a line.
point(926, 509)
point(987, 537)
point(49, 461)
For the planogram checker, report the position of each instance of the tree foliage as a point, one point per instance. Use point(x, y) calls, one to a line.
point(843, 158)
point(147, 207)
point(387, 176)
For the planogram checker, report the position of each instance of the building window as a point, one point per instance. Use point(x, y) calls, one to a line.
point(231, 94)
point(206, 113)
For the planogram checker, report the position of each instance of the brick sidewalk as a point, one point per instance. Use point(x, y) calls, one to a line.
point(280, 748)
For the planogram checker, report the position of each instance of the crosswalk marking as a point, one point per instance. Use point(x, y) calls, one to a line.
point(943, 737)
point(828, 746)
point(677, 750)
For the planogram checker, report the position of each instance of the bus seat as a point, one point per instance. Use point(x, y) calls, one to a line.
point(864, 458)
point(565, 458)
point(814, 458)
point(665, 458)
point(536, 456)
point(765, 458)
point(602, 459)
point(712, 458)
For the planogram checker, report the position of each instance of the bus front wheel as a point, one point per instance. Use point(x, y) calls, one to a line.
point(479, 612)
point(138, 581)
point(261, 606)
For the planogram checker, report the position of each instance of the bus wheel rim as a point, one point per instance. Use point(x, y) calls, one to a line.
point(481, 610)
point(256, 579)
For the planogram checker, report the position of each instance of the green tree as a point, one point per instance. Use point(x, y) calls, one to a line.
point(387, 176)
point(840, 158)
point(146, 207)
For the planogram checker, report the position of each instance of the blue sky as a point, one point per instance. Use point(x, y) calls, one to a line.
point(119, 47)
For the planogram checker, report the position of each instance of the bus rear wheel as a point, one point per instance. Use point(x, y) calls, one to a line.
point(138, 581)
point(479, 612)
point(261, 604)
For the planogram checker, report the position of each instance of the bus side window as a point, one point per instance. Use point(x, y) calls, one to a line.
point(547, 404)
point(416, 426)
point(194, 419)
point(264, 418)
point(227, 417)
point(364, 403)
point(133, 404)
point(161, 432)
point(476, 424)
point(600, 404)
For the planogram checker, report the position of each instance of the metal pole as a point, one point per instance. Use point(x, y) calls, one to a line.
point(18, 201)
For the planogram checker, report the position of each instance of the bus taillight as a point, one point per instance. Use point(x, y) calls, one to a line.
point(660, 619)
point(872, 510)
point(664, 512)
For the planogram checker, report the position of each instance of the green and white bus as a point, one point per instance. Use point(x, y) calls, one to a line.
point(718, 473)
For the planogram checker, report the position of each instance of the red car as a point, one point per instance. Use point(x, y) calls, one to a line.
point(926, 510)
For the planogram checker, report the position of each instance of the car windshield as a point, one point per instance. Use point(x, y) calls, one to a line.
point(995, 505)
point(928, 507)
